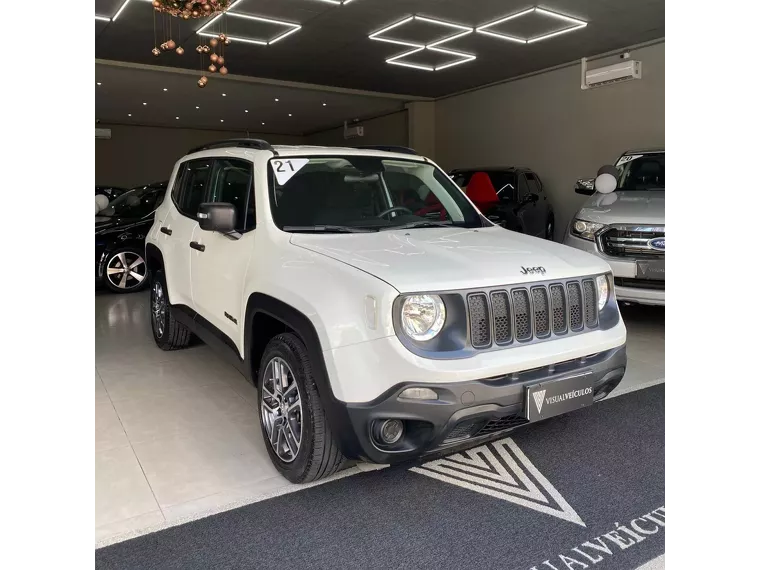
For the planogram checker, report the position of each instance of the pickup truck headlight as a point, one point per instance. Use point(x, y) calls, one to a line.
point(602, 290)
point(584, 229)
point(422, 316)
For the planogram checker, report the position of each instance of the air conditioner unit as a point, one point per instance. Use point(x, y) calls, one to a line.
point(102, 133)
point(623, 71)
point(352, 132)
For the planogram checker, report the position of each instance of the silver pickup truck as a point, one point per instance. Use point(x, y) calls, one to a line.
point(623, 222)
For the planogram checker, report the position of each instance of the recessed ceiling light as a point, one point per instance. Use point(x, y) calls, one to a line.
point(129, 114)
point(177, 118)
point(221, 120)
point(165, 89)
point(276, 100)
point(324, 104)
point(197, 107)
point(290, 114)
point(224, 94)
point(99, 83)
point(262, 124)
point(144, 103)
point(246, 110)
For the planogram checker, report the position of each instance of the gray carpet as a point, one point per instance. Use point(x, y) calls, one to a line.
point(520, 503)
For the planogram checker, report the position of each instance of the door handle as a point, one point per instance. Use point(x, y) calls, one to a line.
point(166, 231)
point(198, 246)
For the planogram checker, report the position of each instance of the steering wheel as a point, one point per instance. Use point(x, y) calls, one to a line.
point(394, 209)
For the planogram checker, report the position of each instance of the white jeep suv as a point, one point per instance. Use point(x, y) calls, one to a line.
point(380, 315)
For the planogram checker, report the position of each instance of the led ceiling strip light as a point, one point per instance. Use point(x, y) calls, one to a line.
point(577, 25)
point(418, 47)
point(292, 29)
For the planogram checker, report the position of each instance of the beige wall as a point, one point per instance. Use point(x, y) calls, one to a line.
point(422, 127)
point(547, 123)
point(390, 129)
point(139, 155)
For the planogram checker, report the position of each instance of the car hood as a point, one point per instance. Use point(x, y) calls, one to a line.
point(625, 207)
point(440, 259)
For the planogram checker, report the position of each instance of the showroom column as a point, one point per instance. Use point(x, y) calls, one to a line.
point(422, 127)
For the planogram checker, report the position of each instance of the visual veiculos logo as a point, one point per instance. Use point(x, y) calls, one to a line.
point(538, 397)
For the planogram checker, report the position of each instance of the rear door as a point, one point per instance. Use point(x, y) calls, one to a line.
point(177, 228)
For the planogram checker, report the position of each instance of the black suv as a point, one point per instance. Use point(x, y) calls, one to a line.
point(511, 197)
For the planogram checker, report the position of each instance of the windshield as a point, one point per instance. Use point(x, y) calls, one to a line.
point(642, 172)
point(361, 193)
point(136, 203)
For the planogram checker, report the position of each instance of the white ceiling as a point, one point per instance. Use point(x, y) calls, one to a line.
point(222, 104)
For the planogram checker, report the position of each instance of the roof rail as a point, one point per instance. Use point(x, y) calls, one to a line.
point(258, 144)
point(389, 148)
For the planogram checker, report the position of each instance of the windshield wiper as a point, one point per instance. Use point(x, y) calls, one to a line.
point(420, 224)
point(328, 229)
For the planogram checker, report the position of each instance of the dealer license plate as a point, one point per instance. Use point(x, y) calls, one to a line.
point(651, 269)
point(556, 397)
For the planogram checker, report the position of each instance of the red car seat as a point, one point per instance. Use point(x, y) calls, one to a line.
point(481, 191)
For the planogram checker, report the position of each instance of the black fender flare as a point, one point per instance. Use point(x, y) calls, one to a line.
point(153, 257)
point(335, 410)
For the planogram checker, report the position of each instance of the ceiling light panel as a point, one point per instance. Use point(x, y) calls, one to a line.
point(285, 28)
point(573, 24)
point(450, 31)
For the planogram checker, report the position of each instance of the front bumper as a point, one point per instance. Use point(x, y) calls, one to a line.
point(621, 267)
point(467, 411)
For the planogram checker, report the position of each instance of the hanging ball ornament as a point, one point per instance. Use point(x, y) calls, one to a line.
point(206, 49)
point(189, 5)
point(201, 84)
point(155, 51)
point(220, 60)
point(207, 7)
point(199, 49)
point(223, 70)
point(213, 42)
point(171, 44)
point(185, 16)
point(180, 50)
point(214, 58)
point(228, 41)
point(196, 13)
point(212, 68)
point(222, 37)
point(156, 4)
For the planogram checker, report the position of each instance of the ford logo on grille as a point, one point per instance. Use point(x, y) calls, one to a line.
point(657, 243)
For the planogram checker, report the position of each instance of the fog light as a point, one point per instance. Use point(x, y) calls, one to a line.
point(391, 431)
point(419, 394)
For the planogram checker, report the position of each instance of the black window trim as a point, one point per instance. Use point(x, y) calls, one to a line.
point(249, 191)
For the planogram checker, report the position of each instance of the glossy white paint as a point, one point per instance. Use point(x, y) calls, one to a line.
point(625, 207)
point(329, 277)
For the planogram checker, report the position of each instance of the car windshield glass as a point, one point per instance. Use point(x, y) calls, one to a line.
point(371, 193)
point(136, 203)
point(642, 172)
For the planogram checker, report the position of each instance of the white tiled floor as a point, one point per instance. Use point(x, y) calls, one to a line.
point(176, 433)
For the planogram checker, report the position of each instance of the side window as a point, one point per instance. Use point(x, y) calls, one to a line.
point(522, 187)
point(195, 182)
point(233, 183)
point(533, 184)
point(505, 185)
point(177, 188)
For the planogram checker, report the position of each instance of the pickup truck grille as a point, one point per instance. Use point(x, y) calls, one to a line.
point(630, 242)
point(529, 313)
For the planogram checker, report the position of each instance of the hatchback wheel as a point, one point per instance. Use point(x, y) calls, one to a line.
point(126, 271)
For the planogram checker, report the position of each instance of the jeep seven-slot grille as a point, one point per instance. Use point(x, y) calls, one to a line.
point(529, 313)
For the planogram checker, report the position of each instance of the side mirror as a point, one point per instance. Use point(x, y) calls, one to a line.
point(606, 179)
point(217, 217)
point(585, 186)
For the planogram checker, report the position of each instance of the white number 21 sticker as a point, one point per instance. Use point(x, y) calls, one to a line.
point(285, 169)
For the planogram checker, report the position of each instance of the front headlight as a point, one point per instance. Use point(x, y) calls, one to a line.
point(602, 291)
point(584, 229)
point(422, 316)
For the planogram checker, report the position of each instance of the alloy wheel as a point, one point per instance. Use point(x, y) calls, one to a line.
point(126, 270)
point(281, 411)
point(158, 309)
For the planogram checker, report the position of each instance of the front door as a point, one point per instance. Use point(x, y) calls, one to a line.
point(218, 271)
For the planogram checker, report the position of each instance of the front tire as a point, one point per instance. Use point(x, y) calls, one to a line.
point(293, 423)
point(125, 270)
point(168, 332)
